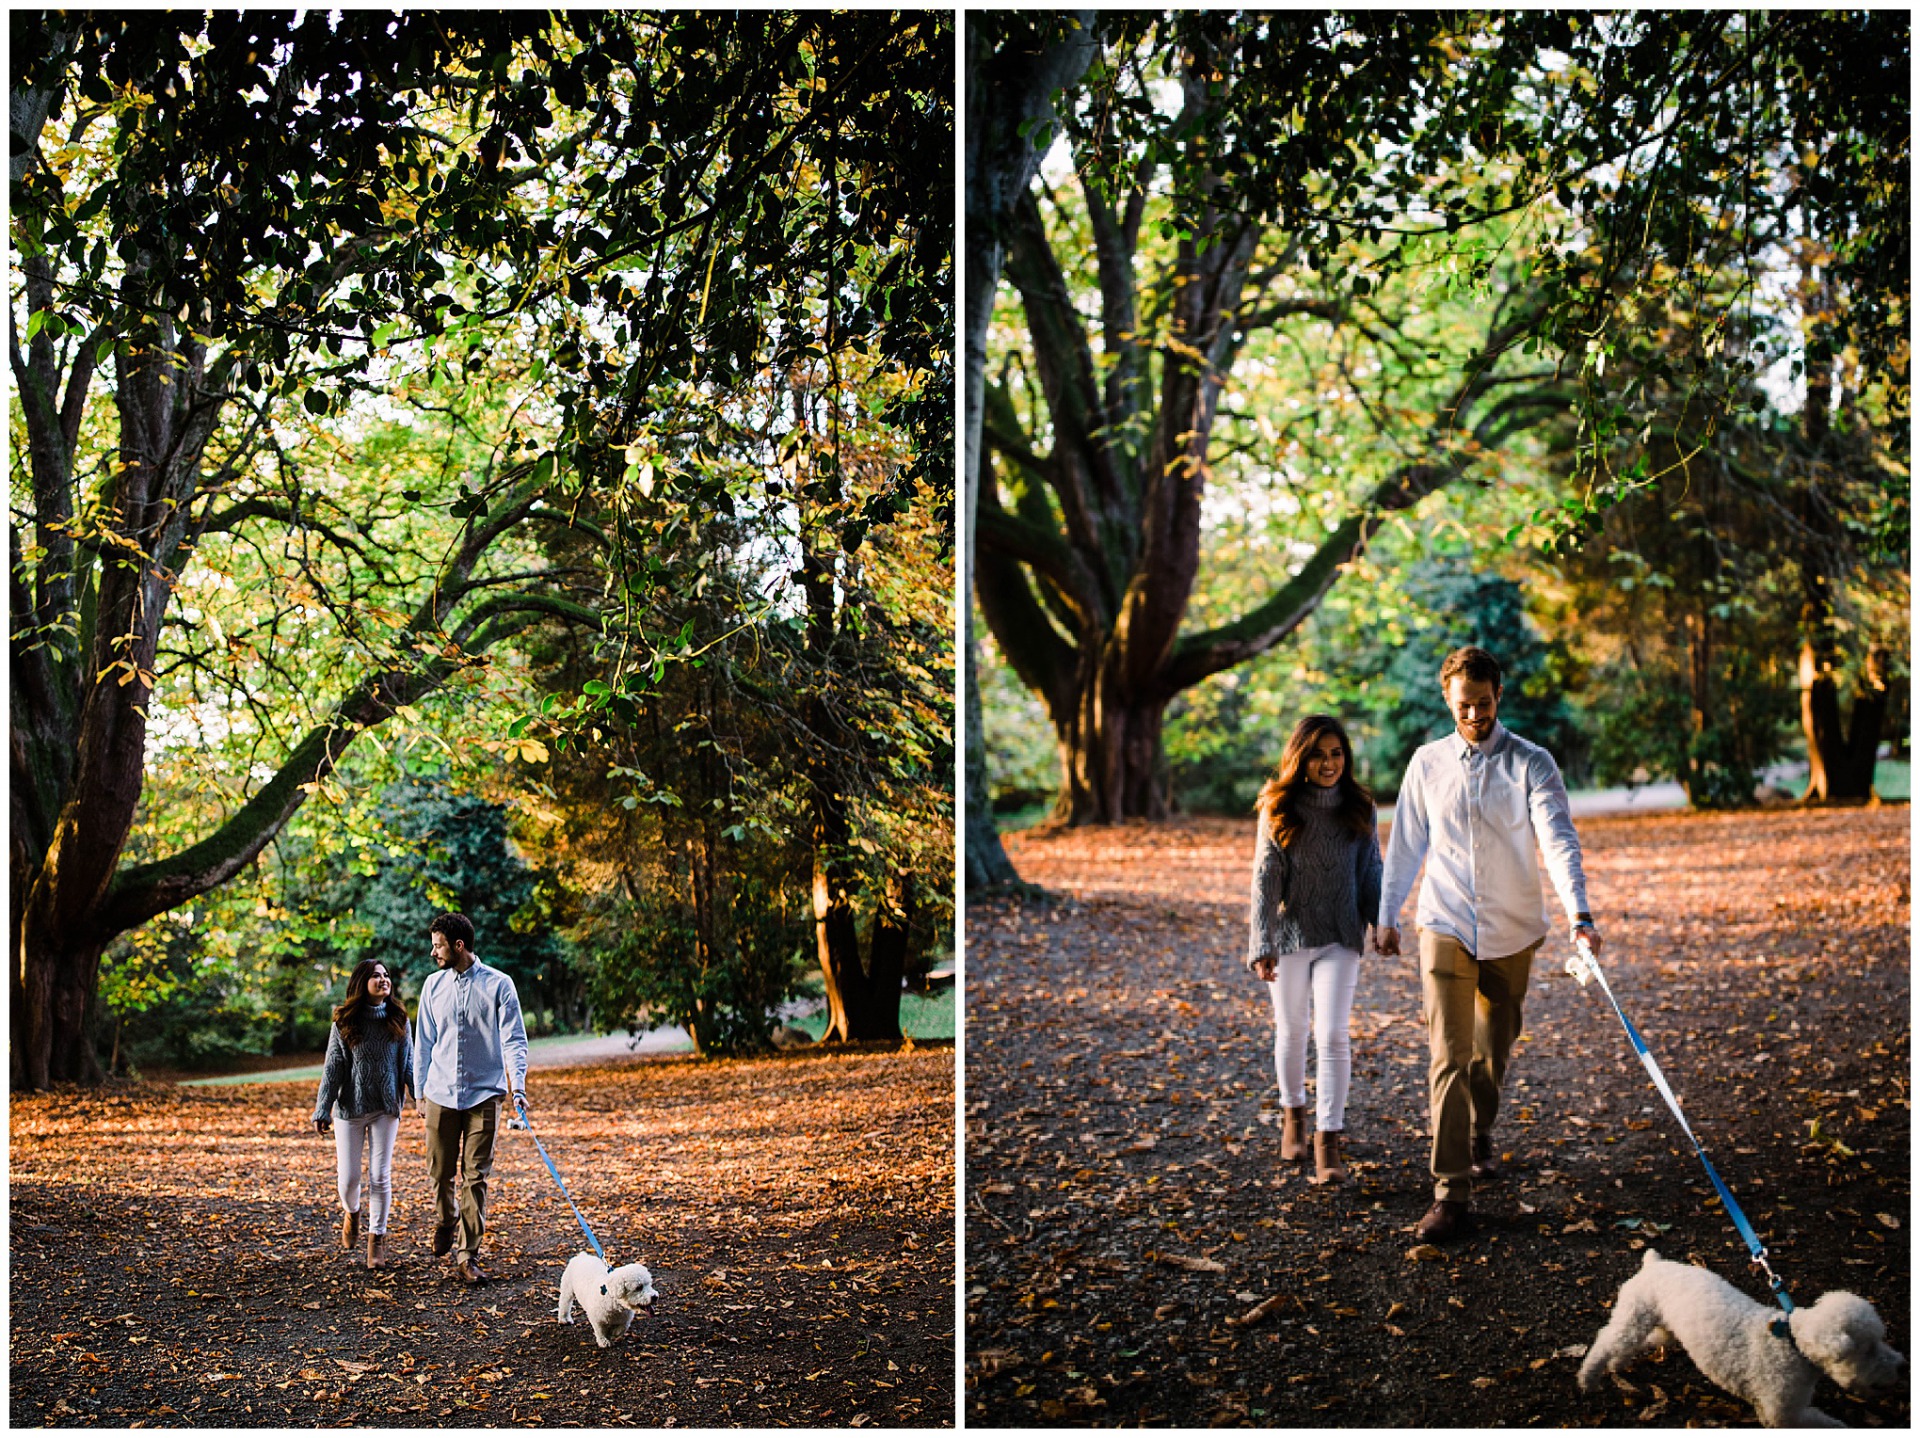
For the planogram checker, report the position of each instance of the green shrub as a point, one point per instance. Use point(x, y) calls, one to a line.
point(649, 967)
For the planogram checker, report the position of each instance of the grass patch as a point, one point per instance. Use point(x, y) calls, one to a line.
point(1893, 780)
point(921, 1017)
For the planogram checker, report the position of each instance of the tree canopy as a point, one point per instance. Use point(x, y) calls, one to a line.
point(326, 325)
point(1322, 267)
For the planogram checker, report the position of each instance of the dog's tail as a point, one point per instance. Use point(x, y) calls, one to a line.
point(1649, 1258)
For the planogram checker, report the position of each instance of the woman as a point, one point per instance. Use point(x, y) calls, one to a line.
point(1316, 889)
point(369, 1072)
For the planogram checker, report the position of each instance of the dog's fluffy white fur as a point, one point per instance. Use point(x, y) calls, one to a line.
point(1728, 1337)
point(609, 1297)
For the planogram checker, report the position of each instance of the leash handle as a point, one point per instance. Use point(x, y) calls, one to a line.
point(1585, 965)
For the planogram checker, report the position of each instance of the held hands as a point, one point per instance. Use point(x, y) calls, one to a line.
point(1386, 941)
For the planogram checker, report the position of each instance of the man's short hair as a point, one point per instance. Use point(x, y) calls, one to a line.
point(457, 927)
point(1473, 663)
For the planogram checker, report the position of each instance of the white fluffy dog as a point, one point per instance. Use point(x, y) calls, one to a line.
point(1727, 1336)
point(610, 1297)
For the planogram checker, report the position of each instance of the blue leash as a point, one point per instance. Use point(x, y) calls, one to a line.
point(520, 1105)
point(1585, 965)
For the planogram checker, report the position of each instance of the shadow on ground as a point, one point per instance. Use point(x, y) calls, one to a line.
point(1137, 1253)
point(175, 1257)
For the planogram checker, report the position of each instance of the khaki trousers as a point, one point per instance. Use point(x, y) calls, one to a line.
point(461, 1139)
point(1473, 1016)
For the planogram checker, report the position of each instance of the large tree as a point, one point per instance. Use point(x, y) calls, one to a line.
point(1303, 191)
point(224, 222)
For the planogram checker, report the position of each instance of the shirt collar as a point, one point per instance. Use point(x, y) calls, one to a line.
point(1466, 748)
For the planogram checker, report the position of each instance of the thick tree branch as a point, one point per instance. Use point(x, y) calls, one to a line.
point(1009, 537)
point(1086, 483)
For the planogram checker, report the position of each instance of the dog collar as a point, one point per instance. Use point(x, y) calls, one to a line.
point(1779, 1328)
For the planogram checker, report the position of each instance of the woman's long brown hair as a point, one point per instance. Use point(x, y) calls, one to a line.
point(1279, 804)
point(351, 1012)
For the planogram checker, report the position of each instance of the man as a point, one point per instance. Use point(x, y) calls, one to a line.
point(1471, 806)
point(472, 1045)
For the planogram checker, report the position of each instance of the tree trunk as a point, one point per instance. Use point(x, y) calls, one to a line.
point(1111, 761)
point(1841, 757)
point(53, 1017)
point(1699, 627)
point(863, 999)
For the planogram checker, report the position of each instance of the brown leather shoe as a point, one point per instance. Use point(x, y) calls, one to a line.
point(471, 1272)
point(1446, 1220)
point(443, 1239)
point(1293, 1134)
point(349, 1230)
point(377, 1250)
point(1329, 1163)
point(1486, 1163)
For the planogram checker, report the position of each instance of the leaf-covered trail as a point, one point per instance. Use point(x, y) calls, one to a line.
point(176, 1260)
point(1137, 1252)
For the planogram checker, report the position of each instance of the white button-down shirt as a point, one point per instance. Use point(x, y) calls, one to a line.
point(1473, 812)
point(470, 1035)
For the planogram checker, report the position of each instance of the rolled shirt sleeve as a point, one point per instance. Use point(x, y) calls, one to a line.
point(425, 1038)
point(513, 1033)
point(1406, 844)
point(1553, 827)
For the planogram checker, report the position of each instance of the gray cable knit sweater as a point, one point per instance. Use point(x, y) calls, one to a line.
point(1323, 888)
point(368, 1077)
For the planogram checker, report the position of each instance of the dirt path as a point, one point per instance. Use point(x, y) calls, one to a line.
point(175, 1257)
point(1126, 1208)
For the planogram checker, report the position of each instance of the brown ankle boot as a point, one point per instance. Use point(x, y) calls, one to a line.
point(1293, 1134)
point(350, 1230)
point(376, 1250)
point(1329, 1164)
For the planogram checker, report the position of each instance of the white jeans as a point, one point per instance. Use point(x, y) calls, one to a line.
point(375, 1133)
point(1326, 976)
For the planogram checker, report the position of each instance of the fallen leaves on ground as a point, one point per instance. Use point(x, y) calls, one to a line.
point(176, 1258)
point(1121, 1112)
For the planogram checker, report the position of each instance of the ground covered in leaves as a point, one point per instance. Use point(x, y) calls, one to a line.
point(175, 1256)
point(1137, 1253)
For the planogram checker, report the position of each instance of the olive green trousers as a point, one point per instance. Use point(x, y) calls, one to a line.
point(1473, 1017)
point(460, 1147)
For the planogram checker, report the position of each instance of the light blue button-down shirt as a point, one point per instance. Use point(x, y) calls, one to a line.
point(469, 1035)
point(1473, 812)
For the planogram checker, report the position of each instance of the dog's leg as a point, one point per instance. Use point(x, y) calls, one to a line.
point(1782, 1416)
point(565, 1315)
point(1626, 1336)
